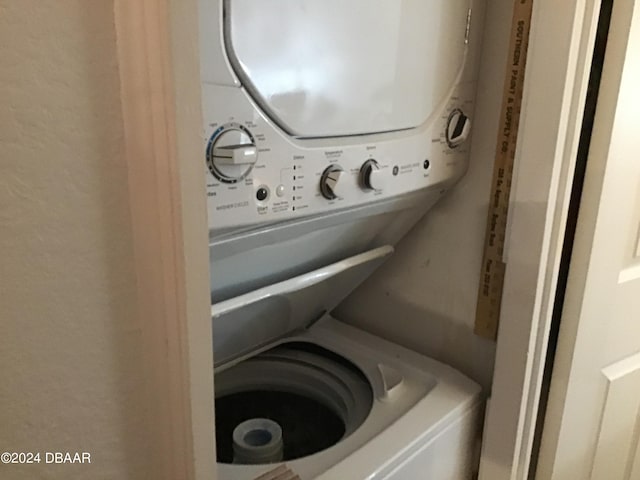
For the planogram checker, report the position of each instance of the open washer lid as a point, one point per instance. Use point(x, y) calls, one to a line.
point(329, 68)
point(247, 322)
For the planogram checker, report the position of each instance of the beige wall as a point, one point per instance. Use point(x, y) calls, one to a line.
point(69, 343)
point(429, 287)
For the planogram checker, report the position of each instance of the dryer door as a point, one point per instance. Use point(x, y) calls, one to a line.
point(327, 68)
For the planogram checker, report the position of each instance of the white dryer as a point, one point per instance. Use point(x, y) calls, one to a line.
point(330, 127)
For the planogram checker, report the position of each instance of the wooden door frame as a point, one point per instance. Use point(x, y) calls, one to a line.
point(160, 90)
point(558, 68)
point(584, 384)
point(159, 69)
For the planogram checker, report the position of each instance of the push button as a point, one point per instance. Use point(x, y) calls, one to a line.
point(262, 194)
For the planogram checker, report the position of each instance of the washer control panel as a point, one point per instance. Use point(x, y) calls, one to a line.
point(259, 174)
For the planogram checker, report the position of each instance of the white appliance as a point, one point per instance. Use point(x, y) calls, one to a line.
point(331, 127)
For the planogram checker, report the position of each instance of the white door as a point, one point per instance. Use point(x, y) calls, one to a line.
point(592, 426)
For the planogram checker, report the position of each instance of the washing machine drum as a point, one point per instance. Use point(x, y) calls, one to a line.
point(289, 402)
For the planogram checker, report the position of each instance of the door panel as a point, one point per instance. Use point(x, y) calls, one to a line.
point(616, 448)
point(592, 422)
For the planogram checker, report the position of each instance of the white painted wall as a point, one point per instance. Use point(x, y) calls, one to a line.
point(425, 296)
point(70, 346)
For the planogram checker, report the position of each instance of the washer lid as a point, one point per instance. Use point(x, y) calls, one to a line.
point(255, 319)
point(326, 68)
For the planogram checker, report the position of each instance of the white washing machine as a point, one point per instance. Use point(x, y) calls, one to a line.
point(331, 127)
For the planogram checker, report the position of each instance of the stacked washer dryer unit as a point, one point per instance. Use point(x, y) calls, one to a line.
point(331, 127)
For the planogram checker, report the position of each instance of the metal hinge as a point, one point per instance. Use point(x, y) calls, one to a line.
point(467, 30)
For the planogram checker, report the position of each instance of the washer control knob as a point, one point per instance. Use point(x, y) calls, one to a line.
point(330, 182)
point(458, 128)
point(232, 155)
point(372, 177)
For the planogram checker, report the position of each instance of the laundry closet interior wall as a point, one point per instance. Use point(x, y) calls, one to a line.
point(424, 297)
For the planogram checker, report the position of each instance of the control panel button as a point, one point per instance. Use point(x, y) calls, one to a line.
point(262, 194)
point(458, 128)
point(330, 182)
point(372, 177)
point(280, 190)
point(231, 154)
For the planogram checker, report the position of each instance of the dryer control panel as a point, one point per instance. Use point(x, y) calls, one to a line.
point(324, 105)
point(259, 174)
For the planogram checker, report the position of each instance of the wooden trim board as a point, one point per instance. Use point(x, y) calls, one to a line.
point(160, 92)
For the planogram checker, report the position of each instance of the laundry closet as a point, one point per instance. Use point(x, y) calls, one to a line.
point(350, 151)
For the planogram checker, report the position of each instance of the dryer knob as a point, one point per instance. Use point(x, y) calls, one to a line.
point(371, 176)
point(458, 128)
point(232, 156)
point(330, 182)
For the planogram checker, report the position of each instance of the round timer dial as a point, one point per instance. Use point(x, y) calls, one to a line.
point(231, 153)
point(372, 177)
point(331, 184)
point(458, 128)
